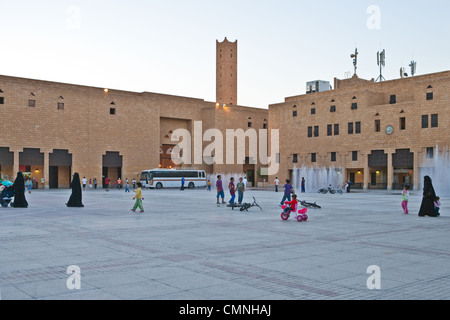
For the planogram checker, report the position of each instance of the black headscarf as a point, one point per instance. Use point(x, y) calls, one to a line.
point(429, 195)
point(19, 192)
point(75, 197)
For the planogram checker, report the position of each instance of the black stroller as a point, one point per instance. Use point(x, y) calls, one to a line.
point(6, 196)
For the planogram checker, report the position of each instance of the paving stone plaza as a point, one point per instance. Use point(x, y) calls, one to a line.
point(184, 247)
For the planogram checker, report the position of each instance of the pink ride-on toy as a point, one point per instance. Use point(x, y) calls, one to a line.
point(301, 216)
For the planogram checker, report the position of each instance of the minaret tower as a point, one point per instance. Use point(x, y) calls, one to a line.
point(226, 72)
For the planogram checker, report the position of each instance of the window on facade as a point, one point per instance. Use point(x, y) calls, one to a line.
point(316, 131)
point(402, 123)
point(112, 110)
point(310, 132)
point(430, 152)
point(354, 106)
point(32, 103)
point(294, 113)
point(424, 121)
point(350, 128)
point(333, 109)
point(377, 125)
point(313, 157)
point(333, 157)
point(430, 96)
point(434, 121)
point(329, 130)
point(393, 99)
point(264, 125)
point(336, 129)
point(249, 124)
point(313, 110)
point(295, 158)
point(355, 156)
point(2, 100)
point(60, 106)
point(357, 127)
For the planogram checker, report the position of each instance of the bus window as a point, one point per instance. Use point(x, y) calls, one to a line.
point(144, 176)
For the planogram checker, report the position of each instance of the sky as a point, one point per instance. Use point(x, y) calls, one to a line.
point(169, 46)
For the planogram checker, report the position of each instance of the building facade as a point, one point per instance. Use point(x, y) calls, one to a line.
point(51, 130)
point(377, 135)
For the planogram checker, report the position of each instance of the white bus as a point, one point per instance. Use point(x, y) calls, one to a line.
point(171, 178)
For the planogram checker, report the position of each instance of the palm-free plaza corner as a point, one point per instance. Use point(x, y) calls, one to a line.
point(359, 245)
point(184, 247)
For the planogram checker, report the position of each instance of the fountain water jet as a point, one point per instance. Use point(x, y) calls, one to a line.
point(438, 169)
point(315, 178)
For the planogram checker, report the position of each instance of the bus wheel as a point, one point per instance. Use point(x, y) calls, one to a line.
point(159, 185)
point(191, 185)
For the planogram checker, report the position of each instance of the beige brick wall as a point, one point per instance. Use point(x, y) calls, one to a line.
point(87, 129)
point(373, 103)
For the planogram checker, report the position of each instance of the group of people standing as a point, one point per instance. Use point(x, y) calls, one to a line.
point(239, 187)
point(118, 184)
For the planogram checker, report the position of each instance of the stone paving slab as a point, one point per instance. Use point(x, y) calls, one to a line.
point(184, 247)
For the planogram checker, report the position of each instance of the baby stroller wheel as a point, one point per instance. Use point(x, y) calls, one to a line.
point(300, 218)
point(284, 216)
point(305, 217)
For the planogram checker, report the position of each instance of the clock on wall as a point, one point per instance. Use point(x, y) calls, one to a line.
point(389, 130)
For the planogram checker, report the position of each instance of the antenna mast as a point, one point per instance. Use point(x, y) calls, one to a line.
point(381, 61)
point(413, 66)
point(354, 56)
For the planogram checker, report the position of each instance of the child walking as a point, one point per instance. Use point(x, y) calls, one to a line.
point(405, 199)
point(232, 190)
point(138, 197)
point(287, 192)
point(437, 206)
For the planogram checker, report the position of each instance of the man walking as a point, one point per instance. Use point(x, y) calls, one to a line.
point(84, 183)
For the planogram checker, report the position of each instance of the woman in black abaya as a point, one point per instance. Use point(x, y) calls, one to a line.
point(75, 197)
point(19, 192)
point(427, 207)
